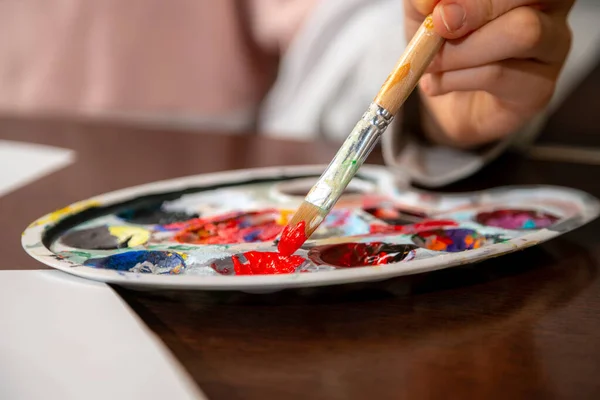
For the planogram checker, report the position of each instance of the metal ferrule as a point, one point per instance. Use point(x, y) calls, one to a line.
point(350, 157)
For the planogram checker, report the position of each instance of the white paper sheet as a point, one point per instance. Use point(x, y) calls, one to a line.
point(65, 338)
point(23, 163)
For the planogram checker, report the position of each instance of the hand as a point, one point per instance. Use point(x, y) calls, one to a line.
point(497, 69)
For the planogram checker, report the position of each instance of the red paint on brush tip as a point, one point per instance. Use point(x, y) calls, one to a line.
point(292, 239)
point(266, 263)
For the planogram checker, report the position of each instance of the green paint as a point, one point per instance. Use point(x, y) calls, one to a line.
point(182, 248)
point(77, 253)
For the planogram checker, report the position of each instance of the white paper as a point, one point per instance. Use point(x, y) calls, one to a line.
point(63, 337)
point(23, 163)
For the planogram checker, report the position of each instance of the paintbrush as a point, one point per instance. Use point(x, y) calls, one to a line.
point(355, 149)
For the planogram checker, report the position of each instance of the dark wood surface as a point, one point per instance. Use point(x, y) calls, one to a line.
point(526, 325)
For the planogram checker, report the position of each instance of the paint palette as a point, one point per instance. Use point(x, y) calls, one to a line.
point(203, 232)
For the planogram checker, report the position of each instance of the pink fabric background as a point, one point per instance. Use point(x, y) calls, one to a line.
point(176, 57)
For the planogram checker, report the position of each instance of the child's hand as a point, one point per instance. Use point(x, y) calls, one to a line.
point(496, 71)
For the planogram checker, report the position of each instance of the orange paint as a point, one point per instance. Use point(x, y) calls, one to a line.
point(397, 76)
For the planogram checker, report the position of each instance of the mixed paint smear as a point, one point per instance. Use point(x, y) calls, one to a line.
point(252, 227)
point(414, 228)
point(450, 240)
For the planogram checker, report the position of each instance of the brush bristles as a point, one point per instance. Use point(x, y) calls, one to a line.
point(311, 215)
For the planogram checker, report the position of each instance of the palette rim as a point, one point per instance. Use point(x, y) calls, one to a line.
point(32, 237)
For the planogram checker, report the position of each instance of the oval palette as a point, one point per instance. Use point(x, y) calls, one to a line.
point(206, 231)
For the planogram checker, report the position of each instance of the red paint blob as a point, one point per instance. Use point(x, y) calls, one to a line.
point(348, 255)
point(292, 239)
point(266, 263)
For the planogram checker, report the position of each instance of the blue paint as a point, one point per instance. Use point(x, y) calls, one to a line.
point(252, 236)
point(245, 223)
point(529, 224)
point(157, 262)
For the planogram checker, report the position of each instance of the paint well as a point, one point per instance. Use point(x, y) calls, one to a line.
point(516, 219)
point(450, 240)
point(348, 255)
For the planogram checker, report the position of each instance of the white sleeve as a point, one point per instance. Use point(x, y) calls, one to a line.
point(333, 68)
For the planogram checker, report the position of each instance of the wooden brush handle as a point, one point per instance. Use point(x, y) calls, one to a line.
point(409, 69)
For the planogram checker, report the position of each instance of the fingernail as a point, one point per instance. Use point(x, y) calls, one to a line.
point(453, 16)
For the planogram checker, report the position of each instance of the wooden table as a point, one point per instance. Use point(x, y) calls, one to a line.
point(526, 325)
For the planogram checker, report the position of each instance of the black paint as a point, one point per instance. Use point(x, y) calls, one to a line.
point(97, 238)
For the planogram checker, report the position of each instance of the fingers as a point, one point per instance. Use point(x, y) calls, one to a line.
point(522, 33)
point(424, 7)
point(525, 84)
point(456, 18)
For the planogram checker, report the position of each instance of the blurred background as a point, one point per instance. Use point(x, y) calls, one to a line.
point(280, 67)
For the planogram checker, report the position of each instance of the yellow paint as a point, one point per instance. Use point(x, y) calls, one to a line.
point(177, 270)
point(64, 212)
point(284, 217)
point(428, 23)
point(133, 235)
